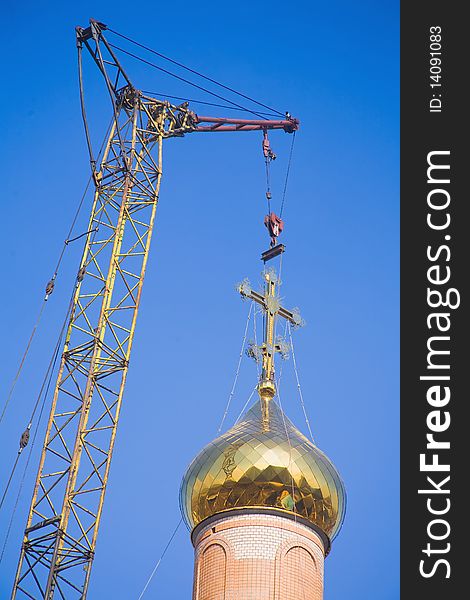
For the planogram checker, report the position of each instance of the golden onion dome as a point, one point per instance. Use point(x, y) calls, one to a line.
point(272, 466)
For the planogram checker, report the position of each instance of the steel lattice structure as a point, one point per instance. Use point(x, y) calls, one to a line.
point(62, 527)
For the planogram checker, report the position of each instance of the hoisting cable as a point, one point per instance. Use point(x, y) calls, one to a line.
point(246, 404)
point(160, 559)
point(199, 87)
point(48, 291)
point(298, 385)
point(269, 156)
point(280, 268)
point(24, 439)
point(287, 174)
point(278, 391)
point(220, 428)
point(23, 358)
point(284, 420)
point(288, 441)
point(232, 391)
point(68, 239)
point(255, 335)
point(194, 72)
point(258, 367)
point(268, 185)
point(84, 116)
point(193, 101)
point(83, 109)
point(12, 472)
point(51, 283)
point(20, 489)
point(113, 104)
point(279, 283)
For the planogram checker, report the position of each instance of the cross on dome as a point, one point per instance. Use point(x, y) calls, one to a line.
point(271, 304)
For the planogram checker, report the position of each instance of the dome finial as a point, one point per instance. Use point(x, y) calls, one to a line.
point(271, 305)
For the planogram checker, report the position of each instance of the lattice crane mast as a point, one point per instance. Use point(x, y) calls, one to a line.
point(62, 526)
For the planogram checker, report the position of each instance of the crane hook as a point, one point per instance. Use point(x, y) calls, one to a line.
point(267, 150)
point(275, 225)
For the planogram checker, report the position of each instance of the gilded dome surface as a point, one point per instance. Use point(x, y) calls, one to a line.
point(255, 466)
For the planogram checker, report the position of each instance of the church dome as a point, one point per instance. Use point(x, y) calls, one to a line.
point(254, 466)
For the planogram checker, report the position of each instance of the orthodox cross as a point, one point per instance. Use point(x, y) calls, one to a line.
point(270, 302)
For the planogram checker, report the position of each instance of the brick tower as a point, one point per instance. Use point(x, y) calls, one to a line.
point(262, 501)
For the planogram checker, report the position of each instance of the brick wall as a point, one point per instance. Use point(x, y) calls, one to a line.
point(257, 557)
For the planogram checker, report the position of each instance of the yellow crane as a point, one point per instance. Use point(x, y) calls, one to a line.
point(60, 536)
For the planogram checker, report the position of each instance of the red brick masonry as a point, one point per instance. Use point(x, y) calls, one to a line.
point(257, 557)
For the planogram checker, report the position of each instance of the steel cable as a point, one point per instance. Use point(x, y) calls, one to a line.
point(199, 87)
point(20, 489)
point(288, 441)
point(225, 87)
point(43, 305)
point(287, 174)
point(246, 404)
point(160, 559)
point(49, 371)
point(193, 101)
point(53, 279)
point(238, 369)
point(298, 385)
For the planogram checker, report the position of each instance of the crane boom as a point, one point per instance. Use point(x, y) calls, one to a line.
point(60, 536)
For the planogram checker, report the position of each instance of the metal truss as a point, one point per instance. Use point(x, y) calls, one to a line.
point(60, 536)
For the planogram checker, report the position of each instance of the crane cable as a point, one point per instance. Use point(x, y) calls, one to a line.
point(252, 309)
point(284, 421)
point(23, 358)
point(24, 439)
point(199, 87)
point(49, 289)
point(267, 162)
point(238, 369)
point(83, 110)
point(116, 112)
point(51, 283)
point(157, 565)
point(225, 87)
point(269, 156)
point(246, 404)
point(255, 336)
point(298, 385)
point(289, 162)
point(20, 489)
point(193, 101)
point(284, 418)
point(258, 369)
point(160, 559)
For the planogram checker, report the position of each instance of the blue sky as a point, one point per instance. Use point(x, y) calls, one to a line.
point(335, 66)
